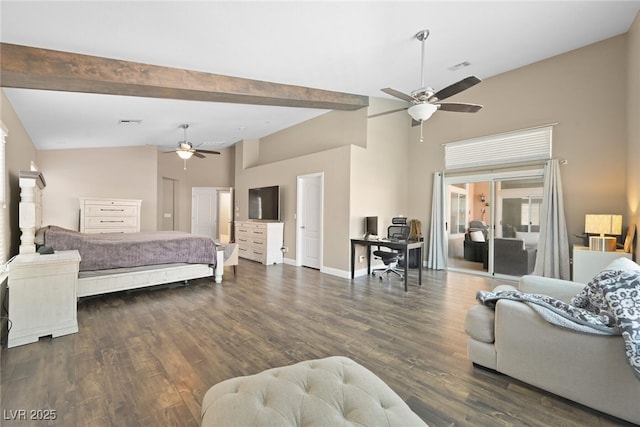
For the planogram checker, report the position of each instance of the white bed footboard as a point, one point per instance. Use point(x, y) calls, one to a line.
point(96, 283)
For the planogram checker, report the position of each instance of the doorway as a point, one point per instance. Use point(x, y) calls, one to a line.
point(225, 215)
point(212, 212)
point(493, 222)
point(309, 220)
point(168, 222)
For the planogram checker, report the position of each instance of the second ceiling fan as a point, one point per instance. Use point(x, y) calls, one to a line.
point(185, 149)
point(425, 101)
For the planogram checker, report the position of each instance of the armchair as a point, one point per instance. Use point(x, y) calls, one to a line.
point(512, 257)
point(476, 241)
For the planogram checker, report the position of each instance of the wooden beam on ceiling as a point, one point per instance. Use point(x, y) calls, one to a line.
point(35, 68)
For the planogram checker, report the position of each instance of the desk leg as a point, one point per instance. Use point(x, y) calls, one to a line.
point(420, 265)
point(406, 269)
point(353, 260)
point(368, 260)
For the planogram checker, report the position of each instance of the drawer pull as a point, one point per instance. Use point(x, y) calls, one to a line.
point(111, 210)
point(114, 220)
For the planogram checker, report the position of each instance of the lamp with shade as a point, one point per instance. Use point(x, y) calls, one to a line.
point(601, 225)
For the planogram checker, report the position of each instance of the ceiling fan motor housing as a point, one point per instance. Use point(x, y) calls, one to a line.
point(423, 94)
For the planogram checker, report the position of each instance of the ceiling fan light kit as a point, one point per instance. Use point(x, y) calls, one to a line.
point(422, 112)
point(425, 101)
point(184, 154)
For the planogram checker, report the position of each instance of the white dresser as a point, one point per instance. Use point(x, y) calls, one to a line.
point(260, 241)
point(109, 215)
point(588, 263)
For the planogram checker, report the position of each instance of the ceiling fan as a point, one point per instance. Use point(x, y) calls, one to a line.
point(185, 149)
point(425, 101)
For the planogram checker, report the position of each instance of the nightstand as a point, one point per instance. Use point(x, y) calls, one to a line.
point(42, 296)
point(588, 263)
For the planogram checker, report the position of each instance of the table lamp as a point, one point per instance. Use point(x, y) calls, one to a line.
point(603, 224)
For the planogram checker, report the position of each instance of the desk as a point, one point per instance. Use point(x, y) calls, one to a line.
point(403, 246)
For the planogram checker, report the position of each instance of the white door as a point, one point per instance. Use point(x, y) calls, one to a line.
point(309, 242)
point(168, 204)
point(204, 211)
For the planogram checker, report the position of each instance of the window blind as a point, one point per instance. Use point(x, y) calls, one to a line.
point(506, 148)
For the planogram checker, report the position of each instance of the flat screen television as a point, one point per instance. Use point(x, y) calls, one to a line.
point(264, 203)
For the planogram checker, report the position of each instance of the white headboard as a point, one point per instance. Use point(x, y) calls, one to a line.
point(31, 184)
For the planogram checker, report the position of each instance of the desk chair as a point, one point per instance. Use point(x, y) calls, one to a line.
point(391, 258)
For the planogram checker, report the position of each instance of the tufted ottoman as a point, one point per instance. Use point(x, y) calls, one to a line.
point(335, 391)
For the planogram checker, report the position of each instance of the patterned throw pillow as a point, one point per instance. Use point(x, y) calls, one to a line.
point(623, 299)
point(591, 297)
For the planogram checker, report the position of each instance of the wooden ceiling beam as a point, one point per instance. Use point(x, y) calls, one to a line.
point(35, 68)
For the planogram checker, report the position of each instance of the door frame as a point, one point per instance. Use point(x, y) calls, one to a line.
point(300, 220)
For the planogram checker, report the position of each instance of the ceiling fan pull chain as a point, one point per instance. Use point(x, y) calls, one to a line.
point(421, 137)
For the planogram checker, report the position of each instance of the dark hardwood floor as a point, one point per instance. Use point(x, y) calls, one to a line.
point(146, 358)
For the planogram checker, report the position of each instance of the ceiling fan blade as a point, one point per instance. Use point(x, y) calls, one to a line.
point(398, 94)
point(198, 155)
point(455, 88)
point(208, 151)
point(387, 112)
point(459, 107)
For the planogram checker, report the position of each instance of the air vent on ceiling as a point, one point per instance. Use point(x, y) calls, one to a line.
point(129, 121)
point(456, 67)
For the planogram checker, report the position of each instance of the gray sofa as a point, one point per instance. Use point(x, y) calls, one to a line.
point(589, 369)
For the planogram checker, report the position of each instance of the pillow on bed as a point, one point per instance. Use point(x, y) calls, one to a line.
point(39, 238)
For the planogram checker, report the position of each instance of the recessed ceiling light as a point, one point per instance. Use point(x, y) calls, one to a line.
point(456, 67)
point(129, 121)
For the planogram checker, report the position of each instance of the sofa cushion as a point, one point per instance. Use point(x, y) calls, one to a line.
point(622, 264)
point(476, 236)
point(479, 323)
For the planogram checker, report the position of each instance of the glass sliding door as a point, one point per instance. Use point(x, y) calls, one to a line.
point(468, 227)
point(493, 222)
point(518, 218)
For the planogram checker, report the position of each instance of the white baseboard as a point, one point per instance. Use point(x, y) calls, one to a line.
point(289, 261)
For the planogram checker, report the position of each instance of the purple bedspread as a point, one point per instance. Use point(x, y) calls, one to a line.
point(119, 250)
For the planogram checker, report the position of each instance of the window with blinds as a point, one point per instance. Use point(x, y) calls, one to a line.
point(506, 148)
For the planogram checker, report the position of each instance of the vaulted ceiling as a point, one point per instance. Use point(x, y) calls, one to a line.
point(351, 47)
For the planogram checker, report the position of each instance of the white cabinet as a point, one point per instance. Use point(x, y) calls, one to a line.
point(260, 241)
point(42, 296)
point(109, 215)
point(588, 263)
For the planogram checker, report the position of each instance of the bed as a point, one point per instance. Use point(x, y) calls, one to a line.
point(113, 262)
point(119, 261)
